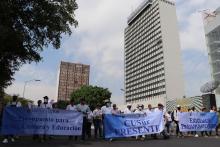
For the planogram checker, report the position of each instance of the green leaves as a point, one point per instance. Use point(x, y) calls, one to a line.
point(93, 95)
point(26, 27)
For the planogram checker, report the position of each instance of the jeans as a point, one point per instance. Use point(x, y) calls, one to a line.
point(98, 127)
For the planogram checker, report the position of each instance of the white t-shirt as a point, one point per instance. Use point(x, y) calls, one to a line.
point(46, 106)
point(139, 112)
point(149, 111)
point(97, 114)
point(127, 111)
point(168, 116)
point(106, 110)
point(70, 107)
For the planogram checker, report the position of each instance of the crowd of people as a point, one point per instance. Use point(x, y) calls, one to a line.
point(94, 119)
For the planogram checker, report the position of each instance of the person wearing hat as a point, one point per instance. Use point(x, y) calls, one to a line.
point(176, 120)
point(128, 109)
point(46, 103)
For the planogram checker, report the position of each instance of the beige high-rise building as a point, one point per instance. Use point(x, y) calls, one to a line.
point(72, 76)
point(153, 67)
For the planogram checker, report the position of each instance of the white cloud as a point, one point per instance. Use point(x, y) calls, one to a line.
point(34, 90)
point(99, 41)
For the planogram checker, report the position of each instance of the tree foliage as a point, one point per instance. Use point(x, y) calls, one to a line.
point(61, 104)
point(93, 95)
point(26, 27)
point(23, 101)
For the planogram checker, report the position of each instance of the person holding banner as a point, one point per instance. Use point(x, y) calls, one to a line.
point(176, 120)
point(204, 133)
point(36, 136)
point(214, 110)
point(71, 107)
point(128, 109)
point(106, 109)
point(82, 107)
point(140, 110)
point(46, 103)
point(13, 103)
point(97, 114)
point(160, 108)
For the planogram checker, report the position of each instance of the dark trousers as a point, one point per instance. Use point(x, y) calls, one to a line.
point(204, 132)
point(84, 128)
point(216, 131)
point(88, 129)
point(178, 129)
point(8, 136)
point(98, 127)
point(168, 126)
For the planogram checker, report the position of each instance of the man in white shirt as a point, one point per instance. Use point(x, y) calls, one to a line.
point(46, 103)
point(150, 109)
point(71, 106)
point(97, 114)
point(106, 109)
point(176, 114)
point(161, 108)
point(115, 109)
point(140, 110)
point(128, 109)
point(82, 107)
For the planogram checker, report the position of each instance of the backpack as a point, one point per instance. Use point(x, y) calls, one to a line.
point(172, 116)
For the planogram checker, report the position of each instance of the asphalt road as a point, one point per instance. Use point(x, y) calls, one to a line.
point(172, 142)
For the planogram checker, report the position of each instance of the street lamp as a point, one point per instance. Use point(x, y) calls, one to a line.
point(25, 83)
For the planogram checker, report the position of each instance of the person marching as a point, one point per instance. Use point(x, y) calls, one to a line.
point(204, 133)
point(176, 120)
point(46, 105)
point(140, 110)
point(128, 109)
point(193, 109)
point(37, 136)
point(82, 107)
point(71, 107)
point(106, 109)
point(115, 110)
point(97, 114)
point(160, 108)
point(214, 110)
point(13, 103)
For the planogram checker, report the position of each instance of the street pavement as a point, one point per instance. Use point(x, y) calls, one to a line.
point(172, 142)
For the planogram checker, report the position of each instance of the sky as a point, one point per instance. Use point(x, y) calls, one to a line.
point(99, 42)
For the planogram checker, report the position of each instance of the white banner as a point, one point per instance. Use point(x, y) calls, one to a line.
point(197, 121)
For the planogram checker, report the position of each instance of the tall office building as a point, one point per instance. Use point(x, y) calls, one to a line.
point(71, 77)
point(153, 69)
point(212, 33)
